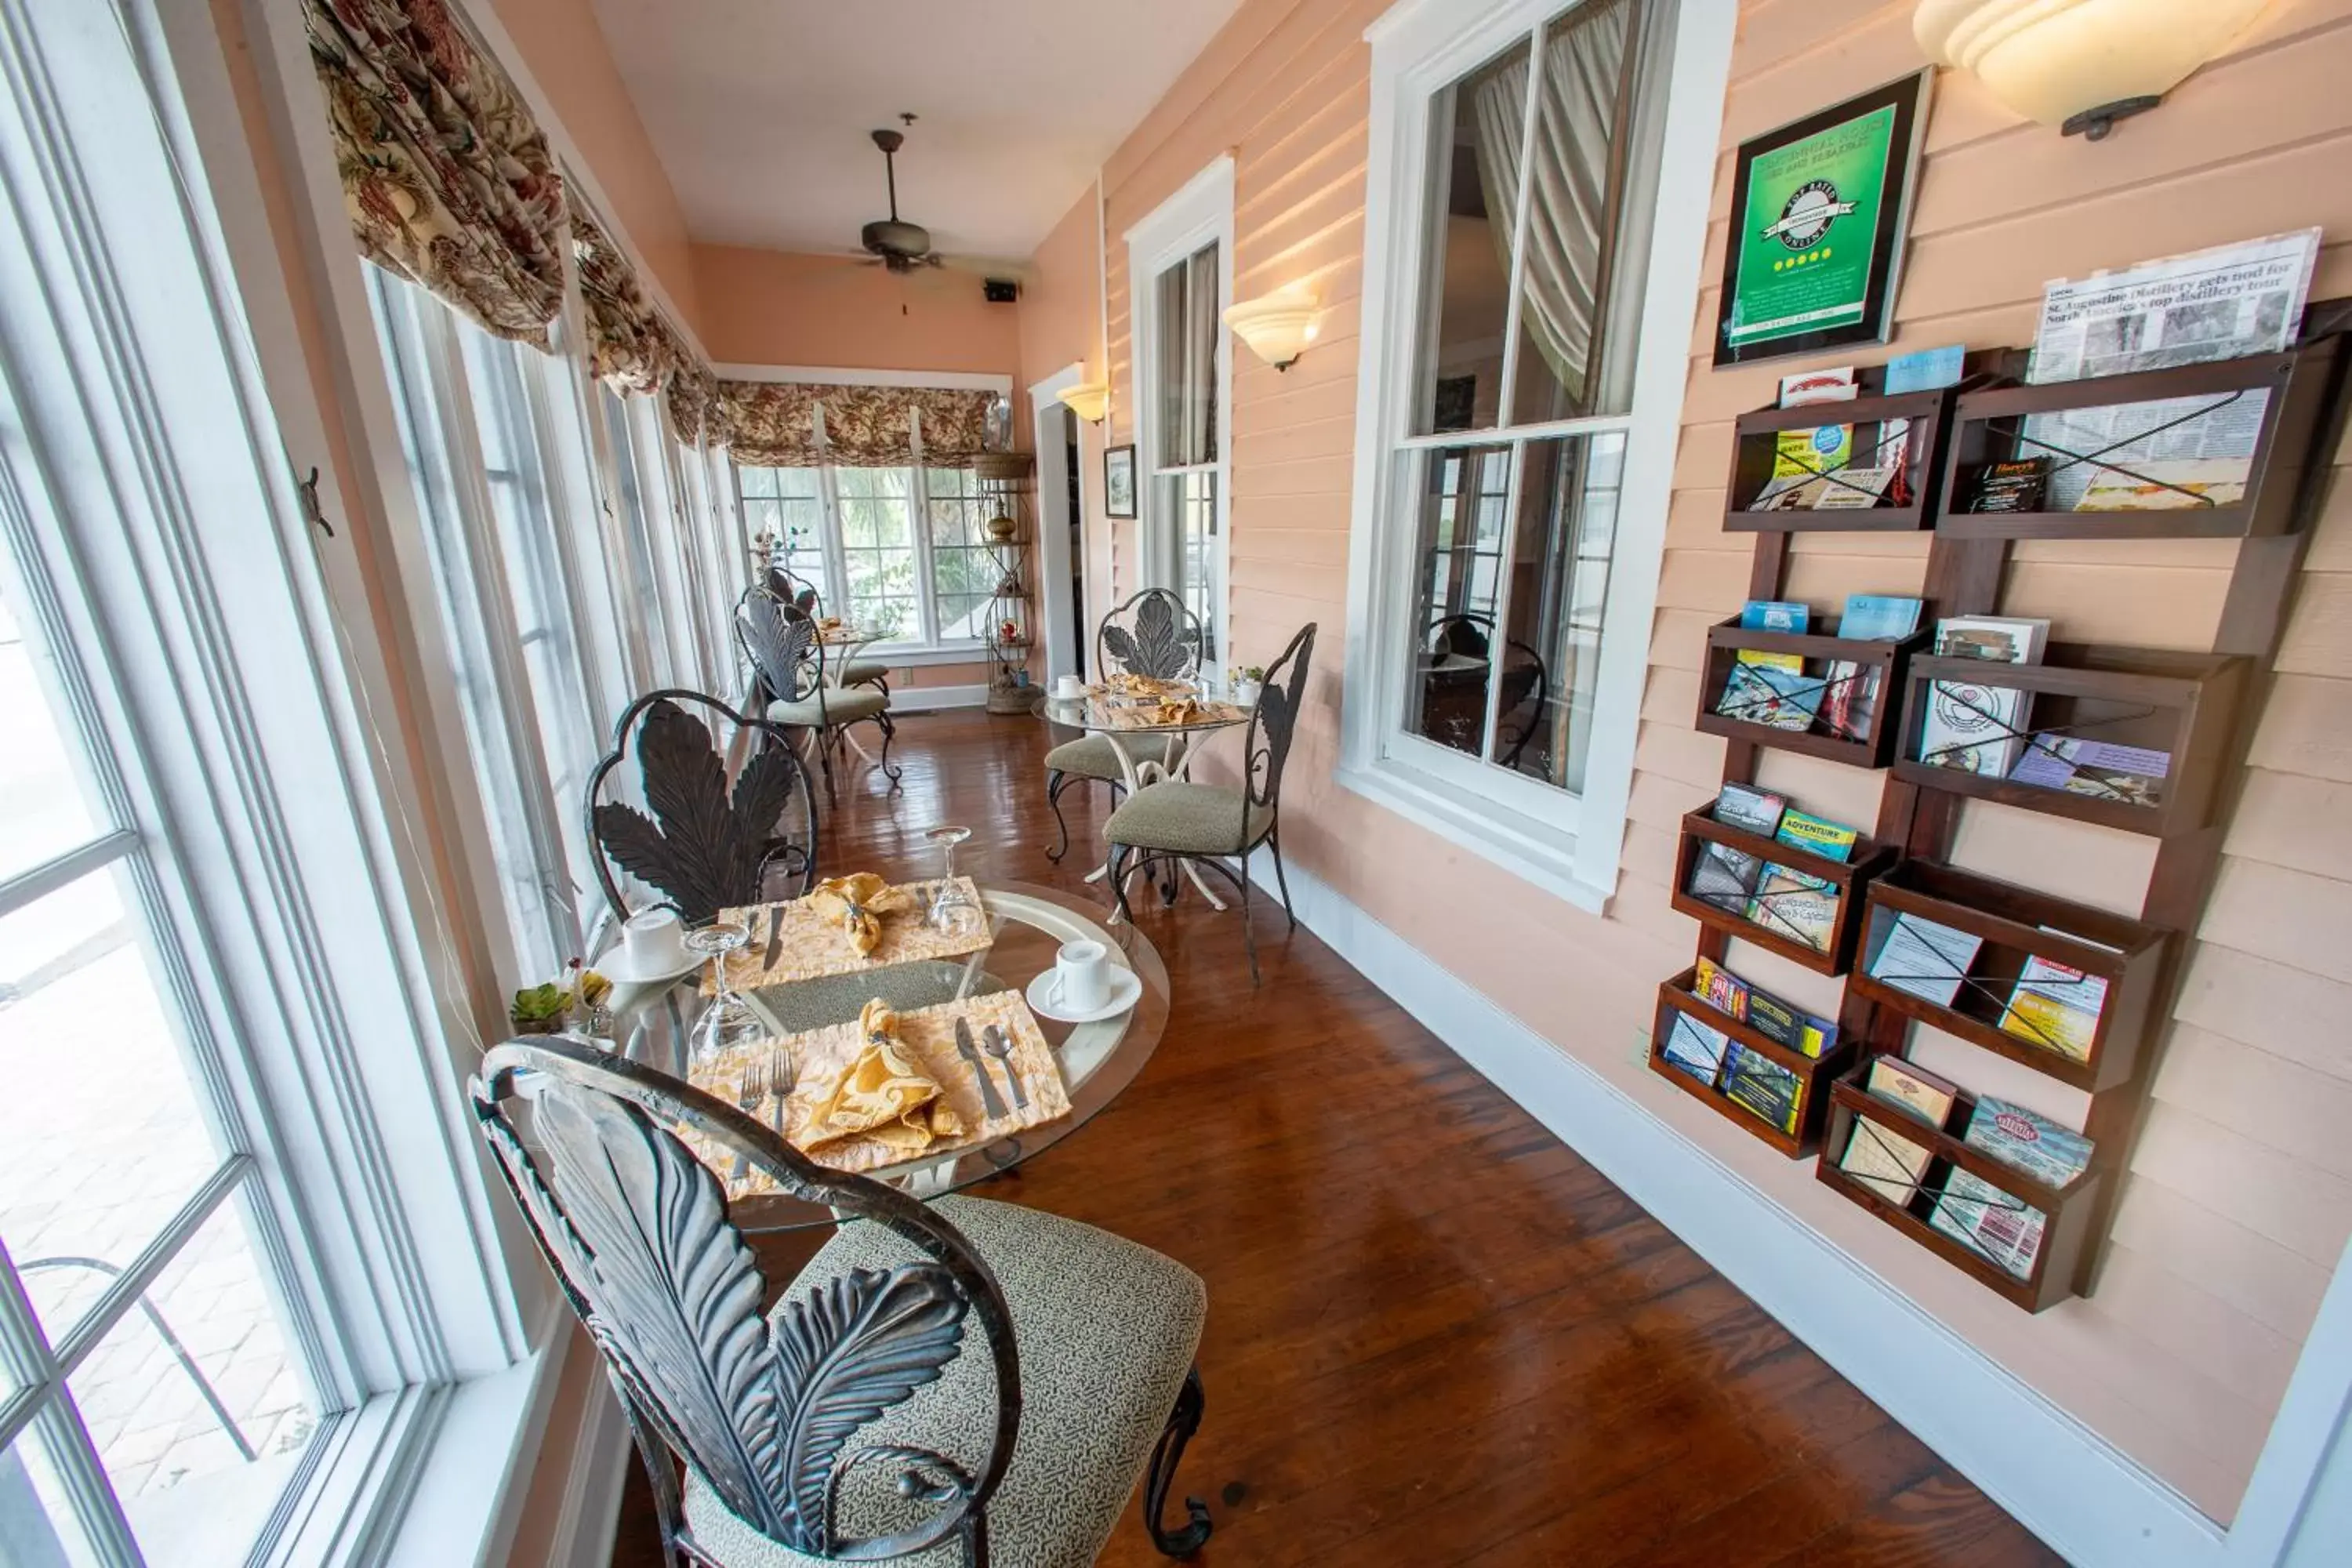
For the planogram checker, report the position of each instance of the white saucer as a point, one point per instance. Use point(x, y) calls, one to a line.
point(613, 966)
point(1126, 991)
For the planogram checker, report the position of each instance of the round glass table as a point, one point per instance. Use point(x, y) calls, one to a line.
point(1148, 747)
point(1028, 925)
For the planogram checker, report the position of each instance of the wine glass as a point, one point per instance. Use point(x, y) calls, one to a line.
point(952, 910)
point(727, 1022)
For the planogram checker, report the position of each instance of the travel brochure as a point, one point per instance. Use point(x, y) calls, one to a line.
point(1773, 689)
point(2050, 1004)
point(1917, 956)
point(2133, 775)
point(1760, 1010)
point(1796, 905)
point(1695, 1049)
point(2055, 1006)
point(1758, 1084)
point(1979, 726)
point(1815, 469)
point(1885, 1162)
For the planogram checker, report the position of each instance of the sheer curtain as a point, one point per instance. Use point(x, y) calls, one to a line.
point(1581, 133)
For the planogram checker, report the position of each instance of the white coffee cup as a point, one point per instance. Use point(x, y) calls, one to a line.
point(654, 942)
point(1069, 688)
point(1082, 976)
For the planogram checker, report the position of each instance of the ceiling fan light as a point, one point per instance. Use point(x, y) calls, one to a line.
point(1090, 400)
point(1276, 327)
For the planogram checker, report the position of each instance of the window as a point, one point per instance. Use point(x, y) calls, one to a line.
point(1184, 248)
point(634, 512)
point(901, 550)
point(1519, 414)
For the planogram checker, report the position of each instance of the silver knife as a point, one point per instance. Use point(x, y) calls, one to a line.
point(971, 1053)
point(776, 936)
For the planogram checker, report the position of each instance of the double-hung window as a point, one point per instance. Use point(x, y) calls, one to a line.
point(1540, 184)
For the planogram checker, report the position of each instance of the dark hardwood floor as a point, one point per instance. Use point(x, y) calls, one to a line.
point(1435, 1335)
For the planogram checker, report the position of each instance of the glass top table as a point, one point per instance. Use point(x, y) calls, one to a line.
point(1029, 924)
point(1146, 750)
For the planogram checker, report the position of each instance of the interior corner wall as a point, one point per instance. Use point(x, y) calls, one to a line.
point(846, 313)
point(2238, 1203)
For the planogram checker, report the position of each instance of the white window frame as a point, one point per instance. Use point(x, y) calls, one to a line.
point(1568, 845)
point(1200, 213)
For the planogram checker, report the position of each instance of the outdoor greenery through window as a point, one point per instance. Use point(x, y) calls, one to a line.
point(1535, 244)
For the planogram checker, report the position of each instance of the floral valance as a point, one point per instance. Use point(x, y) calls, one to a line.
point(447, 179)
point(796, 425)
point(693, 394)
point(630, 347)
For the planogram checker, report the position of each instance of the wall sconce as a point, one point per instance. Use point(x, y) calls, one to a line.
point(2080, 65)
point(1277, 327)
point(1090, 400)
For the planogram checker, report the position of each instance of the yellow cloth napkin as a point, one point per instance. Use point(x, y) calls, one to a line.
point(1183, 711)
point(858, 904)
point(884, 1096)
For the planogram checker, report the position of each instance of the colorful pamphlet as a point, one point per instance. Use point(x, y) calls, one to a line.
point(1724, 878)
point(1850, 694)
point(1974, 726)
point(1757, 1083)
point(1818, 387)
point(1832, 840)
point(1804, 454)
point(2050, 1154)
point(1755, 810)
point(1800, 908)
point(2168, 485)
point(1772, 690)
point(1720, 989)
point(1788, 1027)
point(1924, 370)
point(1885, 1161)
point(1774, 616)
point(1852, 489)
point(1923, 1094)
point(1695, 1049)
point(1992, 1222)
point(2055, 1006)
point(2131, 774)
point(2017, 486)
point(1878, 617)
point(1922, 959)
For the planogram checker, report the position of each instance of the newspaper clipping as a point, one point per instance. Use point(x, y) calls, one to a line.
point(2216, 304)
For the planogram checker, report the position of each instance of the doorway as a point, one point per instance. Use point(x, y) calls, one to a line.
point(1064, 623)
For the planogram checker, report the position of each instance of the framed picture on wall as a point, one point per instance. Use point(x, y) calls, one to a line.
point(1119, 481)
point(1820, 209)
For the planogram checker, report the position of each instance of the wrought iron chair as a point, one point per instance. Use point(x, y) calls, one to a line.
point(1178, 820)
point(780, 584)
point(701, 843)
point(1153, 634)
point(939, 1384)
point(1519, 718)
point(788, 660)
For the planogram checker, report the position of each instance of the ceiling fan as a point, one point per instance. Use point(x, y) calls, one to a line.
point(898, 244)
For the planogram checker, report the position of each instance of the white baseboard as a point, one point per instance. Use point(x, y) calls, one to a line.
point(592, 1485)
point(934, 699)
point(2088, 1501)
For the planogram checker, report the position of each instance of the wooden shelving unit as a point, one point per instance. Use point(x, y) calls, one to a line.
point(1815, 1073)
point(1849, 876)
point(1754, 449)
point(2199, 708)
point(1881, 669)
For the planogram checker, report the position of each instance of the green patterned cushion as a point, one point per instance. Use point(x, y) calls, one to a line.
point(1089, 757)
point(840, 707)
point(1187, 819)
point(1106, 1331)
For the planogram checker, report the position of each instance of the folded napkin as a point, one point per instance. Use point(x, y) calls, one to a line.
point(1183, 711)
point(857, 904)
point(885, 1096)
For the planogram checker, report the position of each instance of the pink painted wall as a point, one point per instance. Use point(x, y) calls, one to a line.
point(773, 307)
point(563, 50)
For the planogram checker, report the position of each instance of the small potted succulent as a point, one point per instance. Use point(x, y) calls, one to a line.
point(539, 1009)
point(1248, 681)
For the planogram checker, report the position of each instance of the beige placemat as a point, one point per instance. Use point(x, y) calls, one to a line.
point(813, 947)
point(929, 1037)
point(1146, 719)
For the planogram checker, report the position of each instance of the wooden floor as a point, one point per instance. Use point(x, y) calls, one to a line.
point(1435, 1335)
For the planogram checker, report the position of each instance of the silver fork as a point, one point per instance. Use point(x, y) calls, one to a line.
point(781, 1080)
point(748, 1099)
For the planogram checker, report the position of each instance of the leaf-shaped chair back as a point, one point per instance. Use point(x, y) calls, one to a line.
point(782, 643)
point(1274, 718)
point(638, 1232)
point(696, 833)
point(1152, 634)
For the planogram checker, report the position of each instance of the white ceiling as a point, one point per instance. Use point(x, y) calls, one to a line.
point(759, 108)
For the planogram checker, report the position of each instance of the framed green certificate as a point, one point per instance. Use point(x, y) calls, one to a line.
point(1819, 212)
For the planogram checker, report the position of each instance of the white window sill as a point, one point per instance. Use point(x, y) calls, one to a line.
point(1536, 853)
point(913, 656)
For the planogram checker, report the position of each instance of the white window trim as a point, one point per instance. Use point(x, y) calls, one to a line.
point(1200, 213)
point(1567, 845)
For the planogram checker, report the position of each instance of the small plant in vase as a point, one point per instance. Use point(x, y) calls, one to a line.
point(539, 1009)
point(1248, 681)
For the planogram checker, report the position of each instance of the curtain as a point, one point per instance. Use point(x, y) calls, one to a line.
point(775, 425)
point(693, 394)
point(1571, 210)
point(449, 181)
point(630, 347)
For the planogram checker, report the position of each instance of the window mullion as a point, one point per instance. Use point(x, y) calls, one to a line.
point(919, 535)
point(1497, 643)
point(1519, 223)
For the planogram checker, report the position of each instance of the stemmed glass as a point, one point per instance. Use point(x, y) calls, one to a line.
point(729, 1021)
point(952, 910)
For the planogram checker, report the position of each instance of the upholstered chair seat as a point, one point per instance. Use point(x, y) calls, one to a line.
point(840, 706)
point(1088, 757)
point(1107, 1331)
point(863, 672)
point(1181, 818)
